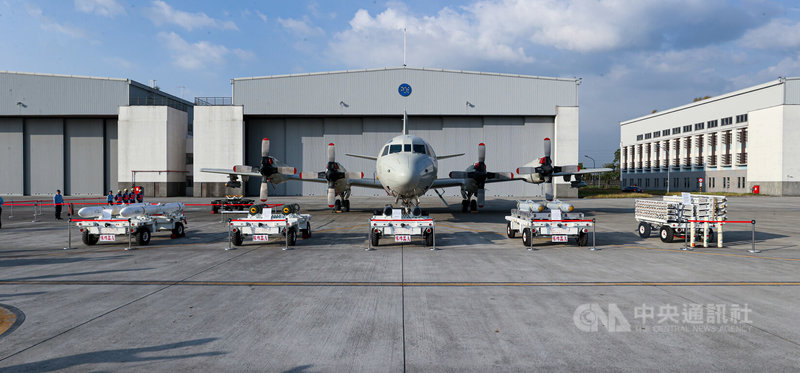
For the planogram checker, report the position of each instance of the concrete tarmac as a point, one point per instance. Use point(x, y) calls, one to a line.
point(481, 303)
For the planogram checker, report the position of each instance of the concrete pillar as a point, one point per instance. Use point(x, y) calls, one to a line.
point(219, 143)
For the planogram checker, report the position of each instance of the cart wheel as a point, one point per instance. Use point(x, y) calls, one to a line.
point(666, 233)
point(306, 233)
point(337, 205)
point(346, 205)
point(429, 239)
point(236, 238)
point(510, 232)
point(178, 230)
point(473, 205)
point(583, 239)
point(644, 230)
point(143, 237)
point(89, 239)
point(526, 237)
point(374, 237)
point(464, 205)
point(292, 237)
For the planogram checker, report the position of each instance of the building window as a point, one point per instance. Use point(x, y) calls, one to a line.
point(676, 130)
point(647, 136)
point(687, 128)
point(639, 137)
point(699, 126)
point(647, 182)
point(665, 133)
point(740, 118)
point(686, 182)
point(713, 123)
point(656, 134)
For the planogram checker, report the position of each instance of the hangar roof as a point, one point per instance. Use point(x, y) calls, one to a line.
point(52, 94)
point(377, 92)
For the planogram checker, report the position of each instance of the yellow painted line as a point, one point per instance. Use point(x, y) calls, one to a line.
point(7, 319)
point(705, 253)
point(393, 283)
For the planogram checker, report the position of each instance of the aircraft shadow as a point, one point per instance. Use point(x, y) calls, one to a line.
point(129, 355)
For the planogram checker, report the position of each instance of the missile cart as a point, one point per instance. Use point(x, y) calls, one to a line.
point(554, 219)
point(673, 216)
point(397, 223)
point(230, 203)
point(140, 220)
point(266, 221)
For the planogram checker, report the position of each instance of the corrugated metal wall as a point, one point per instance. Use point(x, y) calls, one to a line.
point(44, 156)
point(11, 156)
point(83, 139)
point(302, 143)
point(374, 92)
point(41, 94)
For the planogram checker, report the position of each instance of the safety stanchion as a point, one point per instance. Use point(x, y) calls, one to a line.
point(433, 232)
point(129, 235)
point(229, 236)
point(34, 213)
point(530, 233)
point(753, 248)
point(286, 234)
point(69, 234)
point(11, 212)
point(594, 237)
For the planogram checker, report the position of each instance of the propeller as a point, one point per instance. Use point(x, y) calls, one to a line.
point(478, 173)
point(332, 174)
point(269, 168)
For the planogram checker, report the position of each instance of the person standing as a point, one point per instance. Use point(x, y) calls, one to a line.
point(110, 198)
point(58, 201)
point(1, 212)
point(118, 197)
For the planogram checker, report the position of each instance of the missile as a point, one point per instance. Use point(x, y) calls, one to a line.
point(97, 211)
point(558, 205)
point(133, 211)
point(530, 206)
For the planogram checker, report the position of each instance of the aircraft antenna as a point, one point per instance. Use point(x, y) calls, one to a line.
point(404, 47)
point(405, 119)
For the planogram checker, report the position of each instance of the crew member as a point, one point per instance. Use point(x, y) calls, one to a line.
point(125, 196)
point(110, 198)
point(118, 197)
point(131, 197)
point(58, 200)
point(139, 195)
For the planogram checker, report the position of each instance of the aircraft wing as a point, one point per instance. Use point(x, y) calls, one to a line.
point(368, 157)
point(228, 171)
point(584, 171)
point(366, 183)
point(493, 177)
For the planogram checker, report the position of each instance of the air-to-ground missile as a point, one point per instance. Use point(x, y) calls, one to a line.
point(558, 205)
point(97, 211)
point(133, 211)
point(530, 206)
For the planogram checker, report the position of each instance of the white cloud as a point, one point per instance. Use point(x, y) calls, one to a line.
point(106, 8)
point(49, 24)
point(261, 15)
point(195, 56)
point(778, 33)
point(162, 13)
point(301, 27)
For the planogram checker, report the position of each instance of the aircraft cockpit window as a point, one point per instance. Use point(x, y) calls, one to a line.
point(385, 150)
point(407, 148)
point(419, 148)
point(395, 148)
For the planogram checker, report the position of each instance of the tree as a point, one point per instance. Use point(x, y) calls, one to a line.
point(612, 175)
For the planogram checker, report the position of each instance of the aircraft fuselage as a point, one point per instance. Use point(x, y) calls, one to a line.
point(406, 167)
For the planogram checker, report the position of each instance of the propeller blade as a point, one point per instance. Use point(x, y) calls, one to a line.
point(331, 153)
point(547, 147)
point(355, 175)
point(526, 170)
point(265, 147)
point(481, 197)
point(312, 175)
point(331, 196)
point(242, 168)
point(264, 190)
point(481, 152)
point(548, 191)
point(287, 170)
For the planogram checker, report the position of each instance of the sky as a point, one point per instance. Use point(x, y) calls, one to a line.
point(633, 56)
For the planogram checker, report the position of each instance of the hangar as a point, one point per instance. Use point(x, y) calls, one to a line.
point(85, 135)
point(361, 110)
point(735, 142)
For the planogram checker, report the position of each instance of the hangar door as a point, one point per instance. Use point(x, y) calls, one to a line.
point(85, 157)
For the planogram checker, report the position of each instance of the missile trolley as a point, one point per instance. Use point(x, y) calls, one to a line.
point(230, 203)
point(673, 216)
point(560, 223)
point(104, 224)
point(266, 221)
point(397, 223)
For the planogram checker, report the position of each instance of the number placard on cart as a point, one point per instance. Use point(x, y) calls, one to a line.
point(107, 237)
point(402, 238)
point(260, 237)
point(107, 230)
point(559, 238)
